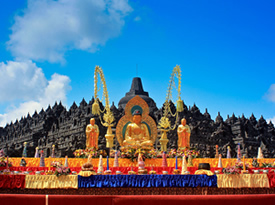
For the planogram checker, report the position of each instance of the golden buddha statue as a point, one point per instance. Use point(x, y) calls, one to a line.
point(92, 133)
point(137, 133)
point(183, 135)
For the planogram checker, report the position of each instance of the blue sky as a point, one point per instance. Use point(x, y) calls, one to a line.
point(226, 51)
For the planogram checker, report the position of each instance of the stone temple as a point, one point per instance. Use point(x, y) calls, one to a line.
point(66, 129)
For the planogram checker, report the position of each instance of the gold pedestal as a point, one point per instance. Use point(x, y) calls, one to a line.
point(109, 140)
point(163, 144)
point(142, 171)
point(176, 171)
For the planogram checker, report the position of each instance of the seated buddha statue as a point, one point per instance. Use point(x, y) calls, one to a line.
point(137, 133)
point(183, 135)
point(92, 133)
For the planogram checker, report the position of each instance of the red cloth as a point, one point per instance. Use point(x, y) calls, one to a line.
point(79, 200)
point(22, 199)
point(12, 181)
point(271, 179)
point(8, 199)
point(195, 200)
point(125, 170)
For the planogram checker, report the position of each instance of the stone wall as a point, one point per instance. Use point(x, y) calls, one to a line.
point(66, 130)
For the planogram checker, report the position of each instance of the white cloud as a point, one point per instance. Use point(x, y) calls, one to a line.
point(21, 80)
point(272, 120)
point(271, 93)
point(41, 91)
point(48, 28)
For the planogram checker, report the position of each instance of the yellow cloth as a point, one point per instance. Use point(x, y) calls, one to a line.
point(203, 171)
point(242, 180)
point(78, 162)
point(51, 182)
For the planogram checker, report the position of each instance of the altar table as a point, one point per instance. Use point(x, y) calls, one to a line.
point(243, 181)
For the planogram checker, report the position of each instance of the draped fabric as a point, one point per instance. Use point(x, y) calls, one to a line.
point(12, 181)
point(243, 181)
point(271, 178)
point(51, 181)
point(78, 162)
point(147, 181)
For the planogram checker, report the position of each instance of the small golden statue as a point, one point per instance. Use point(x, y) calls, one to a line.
point(92, 133)
point(183, 135)
point(137, 133)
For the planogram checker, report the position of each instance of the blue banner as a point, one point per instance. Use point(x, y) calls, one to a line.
point(147, 181)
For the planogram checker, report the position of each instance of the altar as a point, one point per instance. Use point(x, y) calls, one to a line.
point(140, 158)
point(32, 181)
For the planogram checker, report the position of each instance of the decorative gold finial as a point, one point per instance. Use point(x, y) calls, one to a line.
point(108, 115)
point(164, 123)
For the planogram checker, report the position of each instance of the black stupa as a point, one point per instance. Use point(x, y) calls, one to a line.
point(137, 89)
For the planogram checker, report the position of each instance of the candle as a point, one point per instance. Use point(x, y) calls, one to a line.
point(49, 163)
point(228, 152)
point(7, 162)
point(176, 162)
point(217, 152)
point(107, 163)
point(243, 164)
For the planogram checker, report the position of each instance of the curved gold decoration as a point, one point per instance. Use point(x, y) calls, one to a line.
point(136, 103)
point(108, 116)
point(164, 124)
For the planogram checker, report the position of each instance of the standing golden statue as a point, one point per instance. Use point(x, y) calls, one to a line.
point(137, 133)
point(183, 135)
point(92, 133)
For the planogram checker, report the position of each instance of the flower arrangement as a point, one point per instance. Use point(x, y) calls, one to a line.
point(132, 154)
point(239, 165)
point(6, 171)
point(172, 153)
point(3, 162)
point(181, 152)
point(62, 170)
point(266, 165)
point(231, 170)
point(112, 153)
point(84, 153)
point(56, 164)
